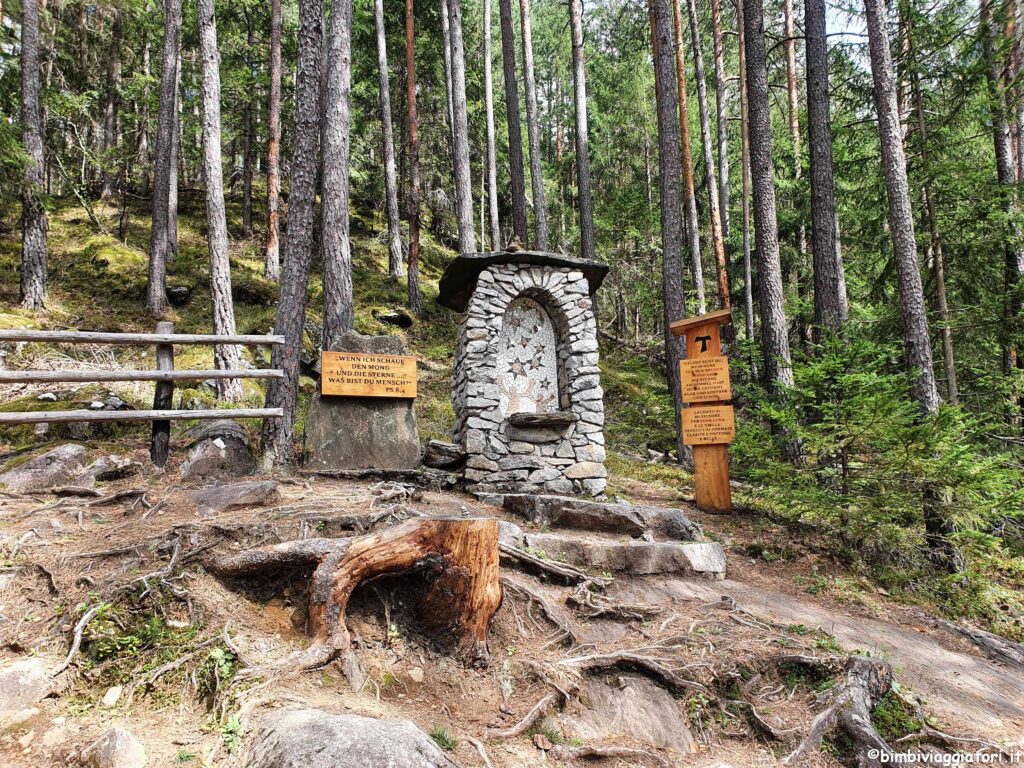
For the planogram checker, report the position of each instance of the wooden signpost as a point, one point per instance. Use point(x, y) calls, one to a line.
point(355, 374)
point(708, 421)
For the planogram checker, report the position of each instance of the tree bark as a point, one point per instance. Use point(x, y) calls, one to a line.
point(142, 157)
point(692, 228)
point(247, 127)
point(540, 217)
point(395, 257)
point(272, 256)
point(413, 201)
point(778, 365)
point(34, 248)
point(515, 137)
point(586, 204)
point(717, 243)
point(831, 308)
point(793, 112)
point(460, 133)
point(291, 314)
point(164, 170)
point(446, 49)
point(335, 244)
point(722, 118)
point(663, 44)
point(492, 162)
point(110, 107)
point(748, 287)
point(460, 558)
point(915, 320)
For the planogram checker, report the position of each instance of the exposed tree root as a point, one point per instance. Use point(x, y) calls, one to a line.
point(565, 572)
point(565, 630)
point(463, 593)
point(849, 709)
point(76, 641)
point(539, 710)
point(594, 606)
point(996, 648)
point(628, 660)
point(566, 752)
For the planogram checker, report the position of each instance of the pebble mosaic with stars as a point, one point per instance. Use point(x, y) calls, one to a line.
point(527, 359)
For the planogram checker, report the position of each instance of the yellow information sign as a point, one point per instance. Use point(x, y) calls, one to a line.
point(705, 379)
point(354, 374)
point(708, 425)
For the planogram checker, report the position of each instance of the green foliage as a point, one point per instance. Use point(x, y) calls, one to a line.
point(443, 738)
point(231, 732)
point(893, 718)
point(216, 672)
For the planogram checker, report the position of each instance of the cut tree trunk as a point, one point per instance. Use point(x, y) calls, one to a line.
point(395, 258)
point(226, 356)
point(458, 556)
point(515, 137)
point(540, 217)
point(34, 247)
point(272, 257)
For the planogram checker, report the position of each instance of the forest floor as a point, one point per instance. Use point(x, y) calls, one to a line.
point(732, 636)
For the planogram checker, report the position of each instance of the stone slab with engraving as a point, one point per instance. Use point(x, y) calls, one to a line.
point(362, 432)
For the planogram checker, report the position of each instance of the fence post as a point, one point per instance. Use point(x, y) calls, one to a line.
point(160, 445)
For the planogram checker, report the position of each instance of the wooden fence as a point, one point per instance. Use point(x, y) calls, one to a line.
point(165, 376)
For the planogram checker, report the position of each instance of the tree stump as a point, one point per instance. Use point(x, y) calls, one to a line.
point(458, 555)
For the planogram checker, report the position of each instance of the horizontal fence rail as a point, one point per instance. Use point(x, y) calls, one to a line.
point(164, 376)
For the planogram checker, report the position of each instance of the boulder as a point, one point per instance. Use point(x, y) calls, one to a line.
point(635, 557)
point(62, 465)
point(116, 748)
point(362, 432)
point(440, 455)
point(113, 467)
point(632, 520)
point(311, 738)
point(217, 498)
point(631, 707)
point(22, 684)
point(219, 449)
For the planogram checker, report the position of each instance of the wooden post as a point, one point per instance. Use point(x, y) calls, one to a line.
point(708, 424)
point(160, 445)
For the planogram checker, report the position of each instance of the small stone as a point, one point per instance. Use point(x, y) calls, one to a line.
point(416, 674)
point(112, 696)
point(96, 405)
point(116, 748)
point(586, 469)
point(542, 742)
point(27, 739)
point(48, 397)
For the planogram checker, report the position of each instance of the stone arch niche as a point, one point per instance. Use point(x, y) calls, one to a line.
point(527, 395)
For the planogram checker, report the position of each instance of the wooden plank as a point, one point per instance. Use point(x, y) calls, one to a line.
point(679, 327)
point(705, 379)
point(163, 398)
point(85, 376)
point(711, 488)
point(708, 425)
point(132, 339)
point(354, 374)
point(63, 417)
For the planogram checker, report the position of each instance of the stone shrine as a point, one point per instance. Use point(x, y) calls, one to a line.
point(529, 409)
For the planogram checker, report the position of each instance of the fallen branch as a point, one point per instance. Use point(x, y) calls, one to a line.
point(76, 641)
point(996, 648)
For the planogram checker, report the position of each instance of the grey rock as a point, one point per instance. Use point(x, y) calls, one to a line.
point(60, 466)
point(633, 707)
point(362, 432)
point(440, 455)
point(630, 519)
point(585, 469)
point(116, 748)
point(22, 684)
point(113, 467)
point(510, 534)
point(521, 462)
point(560, 485)
point(48, 397)
point(219, 449)
point(218, 498)
point(593, 486)
point(311, 738)
point(639, 558)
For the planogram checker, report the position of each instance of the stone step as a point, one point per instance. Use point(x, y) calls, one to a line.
point(603, 517)
point(638, 558)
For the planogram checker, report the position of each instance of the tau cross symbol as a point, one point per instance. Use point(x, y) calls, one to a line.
point(703, 342)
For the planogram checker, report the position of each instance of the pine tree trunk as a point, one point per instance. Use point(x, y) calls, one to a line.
point(175, 160)
point(110, 108)
point(831, 308)
point(663, 44)
point(272, 256)
point(692, 228)
point(335, 244)
point(460, 133)
point(722, 118)
point(793, 113)
point(247, 138)
point(748, 288)
point(915, 320)
point(775, 341)
point(717, 243)
point(446, 49)
point(540, 217)
point(492, 161)
point(515, 137)
point(226, 357)
point(34, 249)
point(395, 257)
point(164, 163)
point(586, 204)
point(142, 157)
point(937, 256)
point(413, 201)
point(291, 313)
